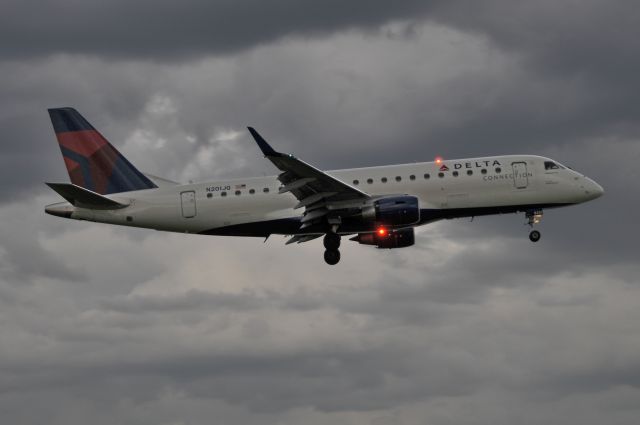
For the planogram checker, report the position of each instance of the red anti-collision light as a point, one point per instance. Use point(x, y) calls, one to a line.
point(438, 160)
point(382, 231)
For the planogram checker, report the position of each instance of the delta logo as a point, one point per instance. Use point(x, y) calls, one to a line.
point(444, 167)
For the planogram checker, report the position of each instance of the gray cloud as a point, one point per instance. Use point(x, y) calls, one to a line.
point(473, 325)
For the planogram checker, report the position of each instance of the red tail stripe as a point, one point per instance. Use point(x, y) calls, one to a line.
point(70, 164)
point(102, 166)
point(83, 142)
point(77, 178)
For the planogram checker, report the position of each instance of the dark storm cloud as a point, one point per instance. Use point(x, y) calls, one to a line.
point(581, 69)
point(166, 29)
point(591, 37)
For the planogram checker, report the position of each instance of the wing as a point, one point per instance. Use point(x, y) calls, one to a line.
point(325, 198)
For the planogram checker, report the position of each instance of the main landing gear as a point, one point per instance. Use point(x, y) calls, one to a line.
point(534, 236)
point(534, 217)
point(332, 243)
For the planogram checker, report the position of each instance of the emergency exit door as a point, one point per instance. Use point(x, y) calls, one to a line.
point(188, 204)
point(520, 178)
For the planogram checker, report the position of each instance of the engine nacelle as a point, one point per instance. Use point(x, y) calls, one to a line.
point(400, 238)
point(393, 211)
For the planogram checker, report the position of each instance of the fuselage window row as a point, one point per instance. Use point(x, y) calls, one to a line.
point(426, 176)
point(356, 182)
point(238, 192)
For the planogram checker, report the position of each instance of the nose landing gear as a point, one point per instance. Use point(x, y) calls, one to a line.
point(534, 217)
point(332, 243)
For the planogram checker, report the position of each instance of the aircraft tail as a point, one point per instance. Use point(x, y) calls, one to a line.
point(92, 162)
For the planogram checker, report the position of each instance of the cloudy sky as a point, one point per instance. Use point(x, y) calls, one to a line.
point(473, 325)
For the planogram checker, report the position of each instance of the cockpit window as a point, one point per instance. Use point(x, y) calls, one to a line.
point(548, 165)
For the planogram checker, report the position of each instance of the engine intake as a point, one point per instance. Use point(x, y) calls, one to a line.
point(393, 211)
point(391, 239)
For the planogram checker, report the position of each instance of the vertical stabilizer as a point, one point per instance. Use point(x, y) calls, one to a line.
point(92, 162)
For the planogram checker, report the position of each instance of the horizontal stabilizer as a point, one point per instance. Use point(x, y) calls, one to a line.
point(84, 198)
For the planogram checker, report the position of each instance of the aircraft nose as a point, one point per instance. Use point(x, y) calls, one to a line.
point(599, 189)
point(593, 189)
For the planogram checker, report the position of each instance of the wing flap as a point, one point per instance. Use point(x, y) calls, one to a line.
point(312, 215)
point(302, 238)
point(312, 199)
point(296, 184)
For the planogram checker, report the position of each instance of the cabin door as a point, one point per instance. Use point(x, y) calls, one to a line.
point(188, 204)
point(520, 179)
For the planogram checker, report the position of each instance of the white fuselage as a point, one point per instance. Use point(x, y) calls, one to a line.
point(253, 206)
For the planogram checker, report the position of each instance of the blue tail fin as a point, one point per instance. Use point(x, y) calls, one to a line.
point(92, 162)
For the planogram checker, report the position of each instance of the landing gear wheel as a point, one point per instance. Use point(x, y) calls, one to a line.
point(332, 241)
point(534, 236)
point(332, 256)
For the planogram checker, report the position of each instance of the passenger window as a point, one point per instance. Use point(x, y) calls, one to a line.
point(483, 171)
point(370, 181)
point(223, 194)
point(252, 191)
point(209, 195)
point(469, 172)
point(498, 170)
point(412, 177)
point(441, 175)
point(383, 180)
point(238, 193)
point(265, 190)
point(548, 165)
point(398, 178)
point(356, 182)
point(455, 174)
point(427, 176)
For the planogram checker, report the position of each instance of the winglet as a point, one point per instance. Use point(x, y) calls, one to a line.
point(266, 149)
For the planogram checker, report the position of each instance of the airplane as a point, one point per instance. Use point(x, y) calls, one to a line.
point(378, 206)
